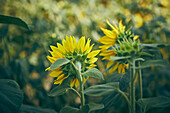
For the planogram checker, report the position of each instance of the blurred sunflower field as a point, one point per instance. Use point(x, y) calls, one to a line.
point(84, 56)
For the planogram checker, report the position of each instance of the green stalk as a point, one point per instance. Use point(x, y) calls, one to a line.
point(140, 87)
point(124, 95)
point(132, 89)
point(80, 78)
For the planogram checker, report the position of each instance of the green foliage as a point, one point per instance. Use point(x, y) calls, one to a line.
point(85, 109)
point(10, 95)
point(104, 89)
point(58, 63)
point(94, 73)
point(150, 63)
point(13, 20)
point(28, 109)
point(154, 102)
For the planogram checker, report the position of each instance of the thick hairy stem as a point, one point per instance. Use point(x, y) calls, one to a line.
point(126, 98)
point(140, 86)
point(132, 89)
point(80, 78)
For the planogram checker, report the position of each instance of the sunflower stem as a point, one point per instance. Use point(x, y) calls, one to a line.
point(125, 96)
point(132, 89)
point(77, 67)
point(140, 87)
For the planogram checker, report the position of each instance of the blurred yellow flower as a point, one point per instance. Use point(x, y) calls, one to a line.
point(73, 51)
point(138, 20)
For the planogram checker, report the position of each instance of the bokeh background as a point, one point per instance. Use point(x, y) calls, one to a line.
point(23, 53)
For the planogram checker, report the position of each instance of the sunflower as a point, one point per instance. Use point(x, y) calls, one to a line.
point(111, 39)
point(76, 52)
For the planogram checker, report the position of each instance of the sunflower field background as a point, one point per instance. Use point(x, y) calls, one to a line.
point(25, 84)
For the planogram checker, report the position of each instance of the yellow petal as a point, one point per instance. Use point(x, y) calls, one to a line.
point(92, 66)
point(105, 47)
point(108, 33)
point(61, 48)
point(107, 40)
point(121, 27)
point(73, 82)
point(87, 45)
point(135, 37)
point(51, 59)
point(60, 79)
point(93, 53)
point(47, 69)
point(77, 83)
point(90, 48)
point(56, 54)
point(107, 53)
point(65, 45)
point(71, 44)
point(116, 30)
point(81, 43)
point(93, 60)
point(74, 42)
point(55, 73)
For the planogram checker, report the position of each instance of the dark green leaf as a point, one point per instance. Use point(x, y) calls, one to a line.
point(13, 20)
point(94, 73)
point(61, 89)
point(94, 106)
point(103, 89)
point(69, 109)
point(150, 63)
point(90, 107)
point(32, 109)
point(11, 96)
point(58, 63)
point(119, 58)
point(154, 102)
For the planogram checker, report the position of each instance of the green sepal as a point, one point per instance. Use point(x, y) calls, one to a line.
point(104, 89)
point(58, 63)
point(119, 58)
point(94, 73)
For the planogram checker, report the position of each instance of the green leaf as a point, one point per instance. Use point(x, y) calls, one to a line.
point(150, 63)
point(11, 96)
point(58, 63)
point(119, 58)
point(94, 106)
point(155, 45)
point(85, 109)
point(32, 109)
point(103, 89)
point(61, 89)
point(94, 73)
point(154, 102)
point(13, 20)
point(69, 109)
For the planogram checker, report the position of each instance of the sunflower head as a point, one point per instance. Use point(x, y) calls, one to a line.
point(118, 42)
point(74, 52)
